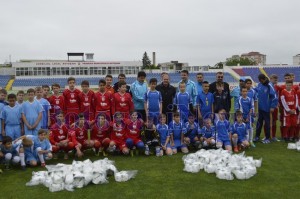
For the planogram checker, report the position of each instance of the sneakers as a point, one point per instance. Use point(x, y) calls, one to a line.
point(252, 144)
point(7, 167)
point(266, 141)
point(66, 156)
point(55, 156)
point(147, 151)
point(131, 152)
point(256, 139)
point(1, 171)
point(274, 139)
point(235, 149)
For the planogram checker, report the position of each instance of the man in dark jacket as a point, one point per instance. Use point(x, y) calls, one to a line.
point(168, 93)
point(226, 91)
point(121, 77)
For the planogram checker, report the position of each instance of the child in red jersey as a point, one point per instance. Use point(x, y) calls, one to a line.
point(135, 126)
point(59, 137)
point(122, 101)
point(118, 135)
point(289, 100)
point(56, 101)
point(72, 101)
point(103, 101)
point(100, 134)
point(80, 137)
point(86, 98)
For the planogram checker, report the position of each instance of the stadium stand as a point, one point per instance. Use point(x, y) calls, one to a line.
point(3, 80)
point(280, 71)
point(253, 72)
point(174, 78)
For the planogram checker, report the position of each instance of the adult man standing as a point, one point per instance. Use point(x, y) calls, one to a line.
point(267, 102)
point(168, 93)
point(138, 90)
point(121, 77)
point(190, 87)
point(200, 78)
point(213, 87)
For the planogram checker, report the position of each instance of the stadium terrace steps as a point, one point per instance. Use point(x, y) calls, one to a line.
point(174, 78)
point(239, 71)
point(4, 80)
point(280, 71)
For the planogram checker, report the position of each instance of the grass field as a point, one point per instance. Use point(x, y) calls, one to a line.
point(163, 177)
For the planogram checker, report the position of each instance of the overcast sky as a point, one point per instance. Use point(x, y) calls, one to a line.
point(199, 32)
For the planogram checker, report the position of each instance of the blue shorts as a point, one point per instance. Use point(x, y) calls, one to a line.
point(30, 157)
point(13, 131)
point(178, 144)
point(225, 142)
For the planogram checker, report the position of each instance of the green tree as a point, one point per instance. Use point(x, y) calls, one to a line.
point(146, 61)
point(240, 61)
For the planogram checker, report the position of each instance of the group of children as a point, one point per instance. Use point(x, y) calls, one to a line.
point(105, 121)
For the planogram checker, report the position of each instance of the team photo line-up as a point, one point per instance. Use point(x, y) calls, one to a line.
point(156, 120)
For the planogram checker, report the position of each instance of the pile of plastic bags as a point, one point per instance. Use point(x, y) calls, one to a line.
point(223, 163)
point(79, 174)
point(294, 146)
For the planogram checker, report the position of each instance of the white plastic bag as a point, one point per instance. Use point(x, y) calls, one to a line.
point(124, 176)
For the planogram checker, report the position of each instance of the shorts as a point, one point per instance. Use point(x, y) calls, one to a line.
point(224, 142)
point(13, 131)
point(290, 120)
point(178, 144)
point(120, 144)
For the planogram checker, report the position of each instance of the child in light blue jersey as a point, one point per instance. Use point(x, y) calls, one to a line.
point(177, 130)
point(183, 102)
point(9, 152)
point(164, 135)
point(208, 134)
point(223, 131)
point(239, 133)
point(31, 114)
point(11, 117)
point(45, 121)
point(153, 101)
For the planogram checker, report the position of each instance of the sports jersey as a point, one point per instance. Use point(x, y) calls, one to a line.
point(221, 101)
point(176, 129)
point(289, 100)
point(122, 103)
point(87, 102)
point(191, 89)
point(183, 100)
point(153, 100)
point(245, 105)
point(31, 111)
point(205, 101)
point(163, 131)
point(101, 132)
point(12, 149)
point(57, 104)
point(11, 115)
point(58, 133)
point(138, 91)
point(240, 129)
point(223, 130)
point(118, 133)
point(44, 145)
point(191, 130)
point(80, 135)
point(208, 132)
point(134, 129)
point(46, 107)
point(72, 100)
point(267, 97)
point(103, 102)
